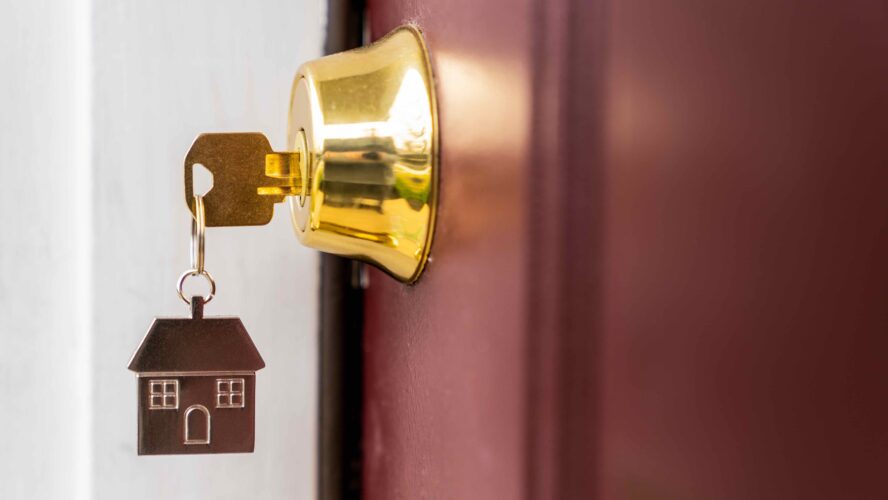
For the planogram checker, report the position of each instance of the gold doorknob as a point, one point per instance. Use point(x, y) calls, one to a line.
point(365, 123)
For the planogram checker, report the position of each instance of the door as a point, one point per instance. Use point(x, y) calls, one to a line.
point(197, 425)
point(659, 263)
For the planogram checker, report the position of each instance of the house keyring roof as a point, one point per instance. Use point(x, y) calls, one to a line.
point(196, 344)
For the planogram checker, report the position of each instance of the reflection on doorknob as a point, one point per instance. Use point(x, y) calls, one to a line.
point(361, 170)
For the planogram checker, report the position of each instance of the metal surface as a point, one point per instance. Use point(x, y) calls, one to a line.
point(369, 121)
point(182, 368)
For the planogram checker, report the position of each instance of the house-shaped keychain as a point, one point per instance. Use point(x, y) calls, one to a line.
point(196, 385)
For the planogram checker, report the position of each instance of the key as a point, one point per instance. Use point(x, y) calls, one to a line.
point(248, 178)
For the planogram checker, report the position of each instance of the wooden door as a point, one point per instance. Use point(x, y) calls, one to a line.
point(659, 267)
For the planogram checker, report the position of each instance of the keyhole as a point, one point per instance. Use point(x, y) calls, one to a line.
point(201, 179)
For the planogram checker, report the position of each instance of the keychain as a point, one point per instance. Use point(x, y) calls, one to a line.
point(196, 376)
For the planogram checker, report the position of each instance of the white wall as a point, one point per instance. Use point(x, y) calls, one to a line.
point(44, 221)
point(100, 101)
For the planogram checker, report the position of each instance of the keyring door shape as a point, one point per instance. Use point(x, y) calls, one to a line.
point(193, 434)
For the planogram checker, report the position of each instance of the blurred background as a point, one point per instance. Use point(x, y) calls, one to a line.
point(100, 102)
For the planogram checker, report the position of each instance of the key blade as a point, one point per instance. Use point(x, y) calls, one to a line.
point(237, 162)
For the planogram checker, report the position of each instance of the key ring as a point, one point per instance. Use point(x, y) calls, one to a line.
point(198, 232)
point(193, 272)
point(198, 245)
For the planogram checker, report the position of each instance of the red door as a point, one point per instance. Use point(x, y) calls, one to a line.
point(659, 268)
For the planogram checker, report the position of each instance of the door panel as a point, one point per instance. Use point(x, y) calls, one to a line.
point(659, 262)
point(744, 332)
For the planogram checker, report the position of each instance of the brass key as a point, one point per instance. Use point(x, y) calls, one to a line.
point(248, 177)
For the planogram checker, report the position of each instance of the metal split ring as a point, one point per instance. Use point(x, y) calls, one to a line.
point(195, 272)
point(198, 231)
point(198, 244)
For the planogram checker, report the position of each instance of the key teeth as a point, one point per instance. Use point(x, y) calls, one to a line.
point(278, 191)
point(283, 165)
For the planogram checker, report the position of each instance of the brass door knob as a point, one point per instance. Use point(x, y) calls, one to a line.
point(365, 122)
